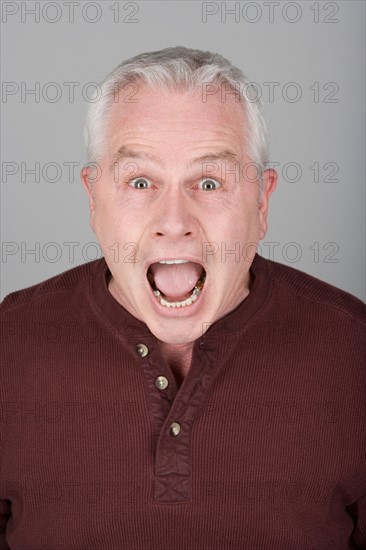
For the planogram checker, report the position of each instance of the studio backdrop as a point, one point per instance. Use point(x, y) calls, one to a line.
point(306, 61)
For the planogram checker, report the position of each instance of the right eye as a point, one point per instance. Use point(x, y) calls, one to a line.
point(139, 183)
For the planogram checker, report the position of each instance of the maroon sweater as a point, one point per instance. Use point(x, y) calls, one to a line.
point(270, 452)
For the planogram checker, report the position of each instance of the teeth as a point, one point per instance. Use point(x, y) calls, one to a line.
point(185, 303)
point(174, 262)
point(199, 285)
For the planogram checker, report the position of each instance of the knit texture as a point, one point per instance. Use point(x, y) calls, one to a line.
point(271, 448)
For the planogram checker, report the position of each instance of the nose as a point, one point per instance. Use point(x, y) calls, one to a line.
point(174, 217)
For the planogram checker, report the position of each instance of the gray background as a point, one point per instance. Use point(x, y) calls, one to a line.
point(314, 49)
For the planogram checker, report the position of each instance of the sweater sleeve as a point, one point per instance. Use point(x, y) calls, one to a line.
point(4, 516)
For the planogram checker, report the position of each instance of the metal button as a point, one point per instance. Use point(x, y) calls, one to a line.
point(161, 382)
point(142, 350)
point(174, 429)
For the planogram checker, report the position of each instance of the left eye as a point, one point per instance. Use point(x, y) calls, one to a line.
point(139, 183)
point(209, 184)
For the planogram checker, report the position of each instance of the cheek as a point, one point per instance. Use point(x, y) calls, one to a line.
point(111, 214)
point(244, 222)
point(262, 223)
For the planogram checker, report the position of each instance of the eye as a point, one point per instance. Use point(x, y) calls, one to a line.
point(208, 184)
point(139, 183)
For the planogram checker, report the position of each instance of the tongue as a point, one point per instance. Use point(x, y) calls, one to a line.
point(176, 281)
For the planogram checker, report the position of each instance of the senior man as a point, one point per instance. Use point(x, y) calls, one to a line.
point(181, 392)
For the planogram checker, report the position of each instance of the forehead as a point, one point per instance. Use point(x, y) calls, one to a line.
point(162, 117)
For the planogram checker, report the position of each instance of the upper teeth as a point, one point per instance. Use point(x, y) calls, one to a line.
point(173, 262)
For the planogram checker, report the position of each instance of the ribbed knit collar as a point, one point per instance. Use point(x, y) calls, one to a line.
point(231, 324)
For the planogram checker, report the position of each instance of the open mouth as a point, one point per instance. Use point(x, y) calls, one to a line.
point(176, 283)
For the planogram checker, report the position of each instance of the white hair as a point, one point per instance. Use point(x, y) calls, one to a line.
point(178, 69)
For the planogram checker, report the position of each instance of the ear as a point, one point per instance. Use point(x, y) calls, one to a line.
point(269, 184)
point(87, 181)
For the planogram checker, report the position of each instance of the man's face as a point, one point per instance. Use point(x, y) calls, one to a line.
point(156, 202)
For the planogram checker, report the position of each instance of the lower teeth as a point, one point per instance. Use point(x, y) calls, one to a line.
point(192, 298)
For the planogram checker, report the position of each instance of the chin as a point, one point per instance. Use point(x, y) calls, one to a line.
point(176, 333)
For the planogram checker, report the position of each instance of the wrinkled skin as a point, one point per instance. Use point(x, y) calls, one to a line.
point(173, 215)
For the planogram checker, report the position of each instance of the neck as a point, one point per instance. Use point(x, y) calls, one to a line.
point(178, 358)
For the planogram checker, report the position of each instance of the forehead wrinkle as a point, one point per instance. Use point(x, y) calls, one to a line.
point(125, 153)
point(226, 154)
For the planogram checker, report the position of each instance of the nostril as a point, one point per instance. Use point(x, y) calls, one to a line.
point(187, 234)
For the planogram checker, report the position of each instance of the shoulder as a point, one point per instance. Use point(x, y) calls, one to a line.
point(306, 288)
point(58, 288)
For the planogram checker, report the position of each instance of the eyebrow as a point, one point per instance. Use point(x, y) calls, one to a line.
point(124, 153)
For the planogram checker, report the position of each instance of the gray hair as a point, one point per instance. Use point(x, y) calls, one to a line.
point(179, 69)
